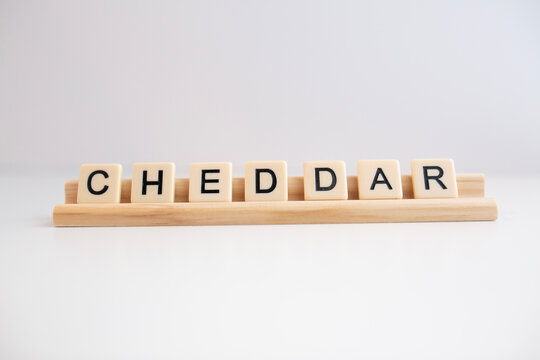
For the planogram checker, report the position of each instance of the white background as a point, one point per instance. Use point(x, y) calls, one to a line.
point(185, 81)
point(127, 81)
point(349, 291)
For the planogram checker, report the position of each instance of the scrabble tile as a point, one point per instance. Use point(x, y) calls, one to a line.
point(153, 183)
point(434, 178)
point(266, 181)
point(379, 179)
point(325, 180)
point(210, 182)
point(99, 183)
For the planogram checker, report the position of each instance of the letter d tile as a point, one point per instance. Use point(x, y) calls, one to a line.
point(266, 181)
point(325, 180)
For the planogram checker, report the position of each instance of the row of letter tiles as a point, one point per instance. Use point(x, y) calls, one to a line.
point(267, 181)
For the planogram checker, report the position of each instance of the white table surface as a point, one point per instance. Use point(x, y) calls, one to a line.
point(373, 291)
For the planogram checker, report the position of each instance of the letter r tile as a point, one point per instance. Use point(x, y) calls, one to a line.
point(434, 178)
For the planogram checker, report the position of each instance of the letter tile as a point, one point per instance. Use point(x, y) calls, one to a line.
point(266, 181)
point(434, 178)
point(210, 182)
point(379, 179)
point(153, 182)
point(99, 183)
point(325, 180)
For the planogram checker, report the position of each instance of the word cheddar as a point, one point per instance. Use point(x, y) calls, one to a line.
point(267, 195)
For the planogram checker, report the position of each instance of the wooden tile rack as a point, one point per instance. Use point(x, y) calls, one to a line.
point(471, 205)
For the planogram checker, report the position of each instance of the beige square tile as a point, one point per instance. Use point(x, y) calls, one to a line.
point(153, 182)
point(379, 179)
point(325, 180)
point(210, 182)
point(266, 181)
point(99, 183)
point(434, 178)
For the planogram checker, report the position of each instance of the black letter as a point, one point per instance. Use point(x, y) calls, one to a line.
point(204, 181)
point(258, 189)
point(433, 177)
point(383, 181)
point(89, 182)
point(318, 186)
point(145, 182)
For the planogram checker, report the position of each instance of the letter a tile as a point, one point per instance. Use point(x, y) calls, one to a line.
point(379, 179)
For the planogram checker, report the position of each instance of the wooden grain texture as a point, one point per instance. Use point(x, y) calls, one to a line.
point(286, 212)
point(469, 185)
